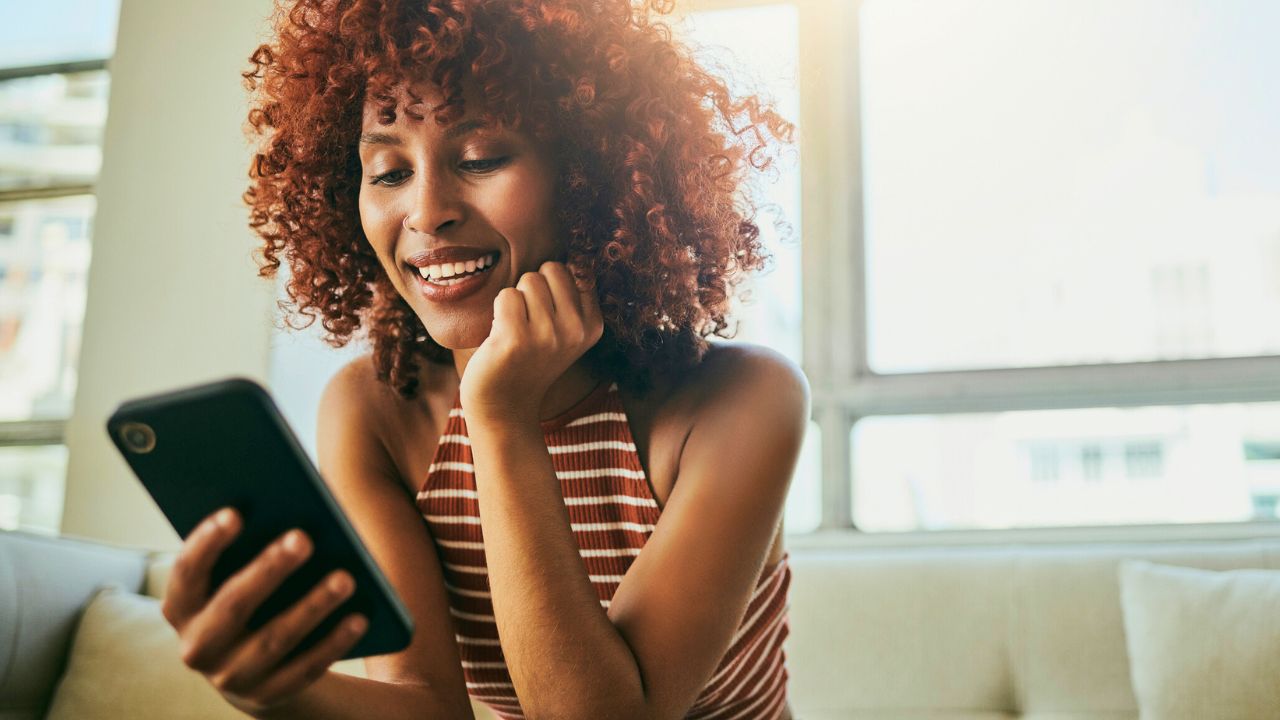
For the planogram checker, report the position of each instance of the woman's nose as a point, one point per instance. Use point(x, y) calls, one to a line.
point(435, 208)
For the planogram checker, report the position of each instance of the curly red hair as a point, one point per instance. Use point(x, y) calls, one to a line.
point(653, 153)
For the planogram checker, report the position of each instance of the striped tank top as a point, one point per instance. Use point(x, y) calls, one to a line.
point(612, 511)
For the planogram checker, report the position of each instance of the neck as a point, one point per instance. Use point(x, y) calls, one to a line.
point(564, 393)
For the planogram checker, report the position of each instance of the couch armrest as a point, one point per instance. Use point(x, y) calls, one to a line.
point(44, 585)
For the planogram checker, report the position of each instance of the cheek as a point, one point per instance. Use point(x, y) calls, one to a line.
point(378, 227)
point(527, 218)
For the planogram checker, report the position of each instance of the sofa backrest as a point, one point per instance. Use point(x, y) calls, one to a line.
point(44, 585)
point(966, 632)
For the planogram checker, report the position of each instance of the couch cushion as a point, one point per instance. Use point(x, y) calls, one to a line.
point(1204, 644)
point(124, 663)
point(884, 631)
point(44, 584)
point(1070, 653)
point(1028, 631)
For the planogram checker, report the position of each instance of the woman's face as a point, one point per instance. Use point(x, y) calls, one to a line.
point(455, 214)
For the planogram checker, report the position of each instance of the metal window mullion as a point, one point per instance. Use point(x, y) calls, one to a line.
point(32, 432)
point(830, 150)
point(48, 192)
point(837, 488)
point(1179, 382)
point(77, 66)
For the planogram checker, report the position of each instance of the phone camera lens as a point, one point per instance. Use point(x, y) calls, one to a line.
point(139, 438)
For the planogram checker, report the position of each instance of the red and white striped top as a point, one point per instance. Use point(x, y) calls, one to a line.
point(612, 512)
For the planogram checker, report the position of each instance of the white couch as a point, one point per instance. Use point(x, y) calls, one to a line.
point(970, 633)
point(960, 633)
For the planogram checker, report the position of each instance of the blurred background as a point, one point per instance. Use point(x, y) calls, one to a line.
point(1027, 252)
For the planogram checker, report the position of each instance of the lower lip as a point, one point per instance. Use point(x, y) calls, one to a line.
point(455, 291)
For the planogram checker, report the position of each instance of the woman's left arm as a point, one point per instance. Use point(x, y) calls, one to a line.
point(674, 615)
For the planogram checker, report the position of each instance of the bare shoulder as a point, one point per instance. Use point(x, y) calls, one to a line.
point(729, 432)
point(355, 390)
point(362, 415)
point(351, 419)
point(740, 377)
point(740, 401)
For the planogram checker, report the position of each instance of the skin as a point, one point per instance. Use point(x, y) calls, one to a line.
point(518, 347)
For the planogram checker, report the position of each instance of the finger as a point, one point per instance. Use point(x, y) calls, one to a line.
point(310, 665)
point(188, 586)
point(256, 657)
point(509, 310)
point(564, 291)
point(221, 623)
point(542, 307)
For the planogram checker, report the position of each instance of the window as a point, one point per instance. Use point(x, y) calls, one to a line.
point(53, 107)
point(1091, 462)
point(1062, 232)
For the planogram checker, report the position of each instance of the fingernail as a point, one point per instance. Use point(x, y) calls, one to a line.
point(357, 623)
point(225, 518)
point(339, 584)
point(293, 541)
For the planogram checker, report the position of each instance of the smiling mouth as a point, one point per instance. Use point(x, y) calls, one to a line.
point(452, 273)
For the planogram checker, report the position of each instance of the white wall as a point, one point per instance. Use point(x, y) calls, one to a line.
point(173, 295)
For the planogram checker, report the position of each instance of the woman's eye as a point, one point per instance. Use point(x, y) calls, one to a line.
point(395, 177)
point(484, 165)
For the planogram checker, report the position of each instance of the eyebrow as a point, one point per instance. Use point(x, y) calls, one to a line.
point(454, 131)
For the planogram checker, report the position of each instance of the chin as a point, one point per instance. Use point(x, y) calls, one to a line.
point(460, 335)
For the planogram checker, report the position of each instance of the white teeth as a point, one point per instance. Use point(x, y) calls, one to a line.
point(444, 273)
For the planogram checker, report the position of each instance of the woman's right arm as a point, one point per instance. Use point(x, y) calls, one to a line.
point(423, 680)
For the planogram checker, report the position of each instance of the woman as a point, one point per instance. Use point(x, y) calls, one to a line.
point(534, 209)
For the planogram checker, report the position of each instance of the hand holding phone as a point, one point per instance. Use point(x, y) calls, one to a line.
point(254, 669)
point(255, 611)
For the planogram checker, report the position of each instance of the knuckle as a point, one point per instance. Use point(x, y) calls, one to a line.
point(223, 682)
point(182, 571)
point(275, 642)
point(319, 604)
point(314, 672)
point(235, 607)
point(168, 611)
point(191, 654)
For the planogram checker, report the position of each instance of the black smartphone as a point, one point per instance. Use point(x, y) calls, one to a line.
point(201, 448)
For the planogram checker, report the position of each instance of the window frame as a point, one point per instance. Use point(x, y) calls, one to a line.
point(846, 390)
point(44, 431)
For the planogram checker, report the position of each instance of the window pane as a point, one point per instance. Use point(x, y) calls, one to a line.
point(44, 262)
point(1100, 466)
point(1055, 183)
point(31, 485)
point(759, 46)
point(51, 129)
point(56, 31)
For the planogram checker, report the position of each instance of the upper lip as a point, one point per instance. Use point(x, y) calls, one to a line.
point(447, 254)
